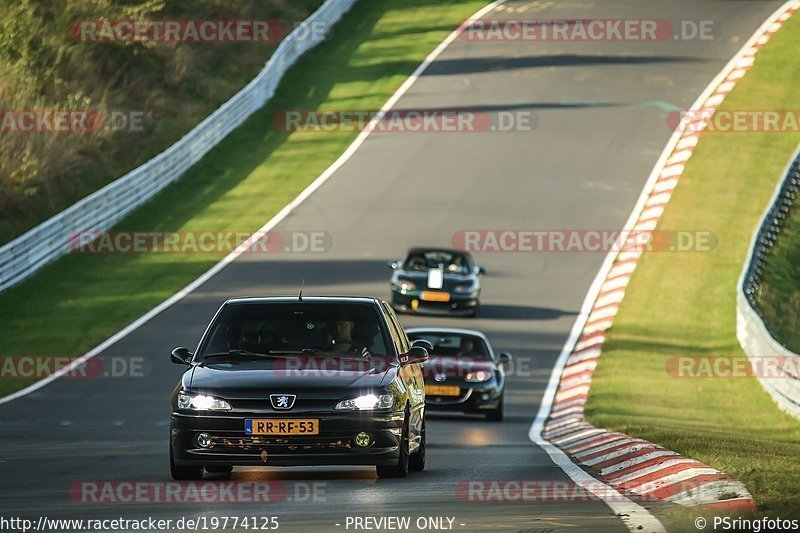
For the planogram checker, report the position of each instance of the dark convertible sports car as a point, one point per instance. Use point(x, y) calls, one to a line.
point(436, 281)
point(300, 381)
point(464, 374)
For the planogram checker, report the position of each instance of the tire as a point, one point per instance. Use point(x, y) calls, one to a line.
point(416, 463)
point(496, 414)
point(401, 468)
point(184, 473)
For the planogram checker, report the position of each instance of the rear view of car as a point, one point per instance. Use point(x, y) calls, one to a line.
point(436, 281)
point(463, 373)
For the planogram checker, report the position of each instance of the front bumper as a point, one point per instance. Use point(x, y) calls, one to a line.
point(474, 398)
point(459, 304)
point(334, 445)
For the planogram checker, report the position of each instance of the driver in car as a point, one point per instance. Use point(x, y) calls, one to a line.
point(350, 337)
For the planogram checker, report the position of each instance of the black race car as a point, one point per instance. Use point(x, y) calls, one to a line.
point(300, 381)
point(464, 374)
point(436, 281)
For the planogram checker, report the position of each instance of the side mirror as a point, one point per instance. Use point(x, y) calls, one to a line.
point(480, 271)
point(181, 356)
point(416, 354)
point(422, 343)
point(394, 265)
point(505, 358)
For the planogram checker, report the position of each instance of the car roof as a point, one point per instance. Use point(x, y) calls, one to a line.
point(305, 299)
point(436, 249)
point(457, 331)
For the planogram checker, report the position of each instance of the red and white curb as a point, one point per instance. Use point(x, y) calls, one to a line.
point(636, 468)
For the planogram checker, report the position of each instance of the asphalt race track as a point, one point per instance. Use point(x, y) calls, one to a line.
point(601, 127)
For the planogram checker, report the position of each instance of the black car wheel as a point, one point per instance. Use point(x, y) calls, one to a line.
point(401, 468)
point(416, 463)
point(496, 414)
point(184, 473)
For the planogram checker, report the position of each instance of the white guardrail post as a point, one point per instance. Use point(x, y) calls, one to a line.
point(753, 335)
point(99, 211)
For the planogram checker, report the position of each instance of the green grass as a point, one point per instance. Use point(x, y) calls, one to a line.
point(75, 303)
point(684, 304)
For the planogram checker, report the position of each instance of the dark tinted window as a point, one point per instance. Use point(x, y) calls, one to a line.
point(261, 328)
point(452, 262)
point(455, 345)
point(400, 336)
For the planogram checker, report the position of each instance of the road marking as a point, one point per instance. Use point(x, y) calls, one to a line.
point(274, 221)
point(657, 191)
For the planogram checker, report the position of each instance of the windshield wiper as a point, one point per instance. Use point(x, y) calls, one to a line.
point(317, 351)
point(235, 353)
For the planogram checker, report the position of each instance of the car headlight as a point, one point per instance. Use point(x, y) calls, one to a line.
point(403, 285)
point(478, 376)
point(461, 289)
point(367, 402)
point(201, 402)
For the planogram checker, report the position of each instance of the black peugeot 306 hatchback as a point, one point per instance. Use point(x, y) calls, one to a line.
point(300, 381)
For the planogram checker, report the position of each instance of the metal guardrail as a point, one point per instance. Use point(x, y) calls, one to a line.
point(753, 335)
point(99, 211)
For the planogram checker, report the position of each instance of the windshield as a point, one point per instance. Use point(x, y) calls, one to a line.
point(276, 328)
point(451, 262)
point(455, 345)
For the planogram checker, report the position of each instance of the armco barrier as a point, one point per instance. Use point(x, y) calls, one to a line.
point(753, 334)
point(99, 211)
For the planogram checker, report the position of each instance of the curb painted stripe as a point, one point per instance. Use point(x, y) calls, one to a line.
point(630, 465)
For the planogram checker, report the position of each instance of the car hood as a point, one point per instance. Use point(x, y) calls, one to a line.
point(455, 367)
point(311, 376)
point(449, 280)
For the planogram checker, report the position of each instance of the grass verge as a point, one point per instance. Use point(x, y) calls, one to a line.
point(78, 301)
point(684, 304)
point(164, 88)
